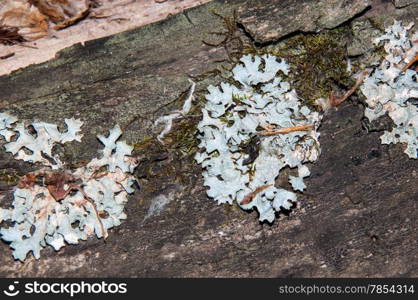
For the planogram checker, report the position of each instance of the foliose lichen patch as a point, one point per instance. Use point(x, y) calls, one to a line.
point(392, 87)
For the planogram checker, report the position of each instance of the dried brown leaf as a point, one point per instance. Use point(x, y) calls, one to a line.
point(10, 36)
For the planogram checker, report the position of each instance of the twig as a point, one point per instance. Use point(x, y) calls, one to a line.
point(7, 55)
point(408, 65)
point(335, 101)
point(287, 130)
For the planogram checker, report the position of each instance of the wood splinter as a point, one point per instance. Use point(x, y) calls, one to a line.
point(287, 130)
point(8, 55)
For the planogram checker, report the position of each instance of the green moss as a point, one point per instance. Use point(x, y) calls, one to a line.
point(238, 99)
point(8, 177)
point(317, 61)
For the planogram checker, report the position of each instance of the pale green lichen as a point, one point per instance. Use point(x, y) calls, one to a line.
point(228, 127)
point(37, 218)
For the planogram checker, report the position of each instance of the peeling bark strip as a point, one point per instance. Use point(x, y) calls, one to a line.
point(288, 130)
point(267, 21)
